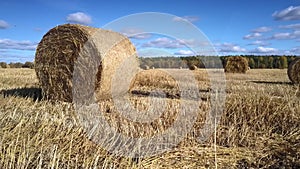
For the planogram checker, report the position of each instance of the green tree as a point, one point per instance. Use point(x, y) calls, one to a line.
point(28, 65)
point(251, 63)
point(270, 62)
point(261, 62)
point(283, 62)
point(16, 65)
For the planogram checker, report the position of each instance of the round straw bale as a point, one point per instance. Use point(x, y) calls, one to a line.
point(193, 67)
point(145, 67)
point(294, 71)
point(154, 79)
point(63, 45)
point(236, 64)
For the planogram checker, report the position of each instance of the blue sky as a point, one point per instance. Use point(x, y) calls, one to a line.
point(233, 27)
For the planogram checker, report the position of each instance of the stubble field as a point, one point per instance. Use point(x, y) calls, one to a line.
point(259, 127)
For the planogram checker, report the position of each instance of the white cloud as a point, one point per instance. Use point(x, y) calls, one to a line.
point(294, 51)
point(135, 33)
point(193, 43)
point(3, 24)
point(291, 26)
point(264, 50)
point(262, 29)
point(153, 52)
point(38, 29)
point(259, 43)
point(80, 18)
point(186, 18)
point(8, 58)
point(253, 36)
point(286, 35)
point(17, 45)
point(184, 52)
point(279, 36)
point(172, 43)
point(296, 34)
point(162, 43)
point(230, 48)
point(290, 13)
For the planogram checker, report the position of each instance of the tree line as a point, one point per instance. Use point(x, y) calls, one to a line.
point(17, 65)
point(254, 61)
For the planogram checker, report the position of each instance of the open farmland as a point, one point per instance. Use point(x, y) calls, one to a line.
point(259, 128)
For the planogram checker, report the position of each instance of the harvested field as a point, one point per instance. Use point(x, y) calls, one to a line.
point(259, 127)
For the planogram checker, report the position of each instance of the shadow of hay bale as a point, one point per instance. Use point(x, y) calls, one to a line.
point(155, 94)
point(25, 92)
point(275, 83)
point(167, 94)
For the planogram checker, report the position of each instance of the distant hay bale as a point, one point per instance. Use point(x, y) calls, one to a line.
point(146, 67)
point(3, 65)
point(294, 71)
point(193, 67)
point(236, 64)
point(63, 45)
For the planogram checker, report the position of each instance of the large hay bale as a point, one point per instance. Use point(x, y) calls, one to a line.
point(63, 45)
point(236, 64)
point(294, 71)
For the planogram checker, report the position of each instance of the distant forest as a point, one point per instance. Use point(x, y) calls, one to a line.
point(17, 65)
point(254, 61)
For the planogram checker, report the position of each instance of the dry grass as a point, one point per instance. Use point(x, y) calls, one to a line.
point(258, 129)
